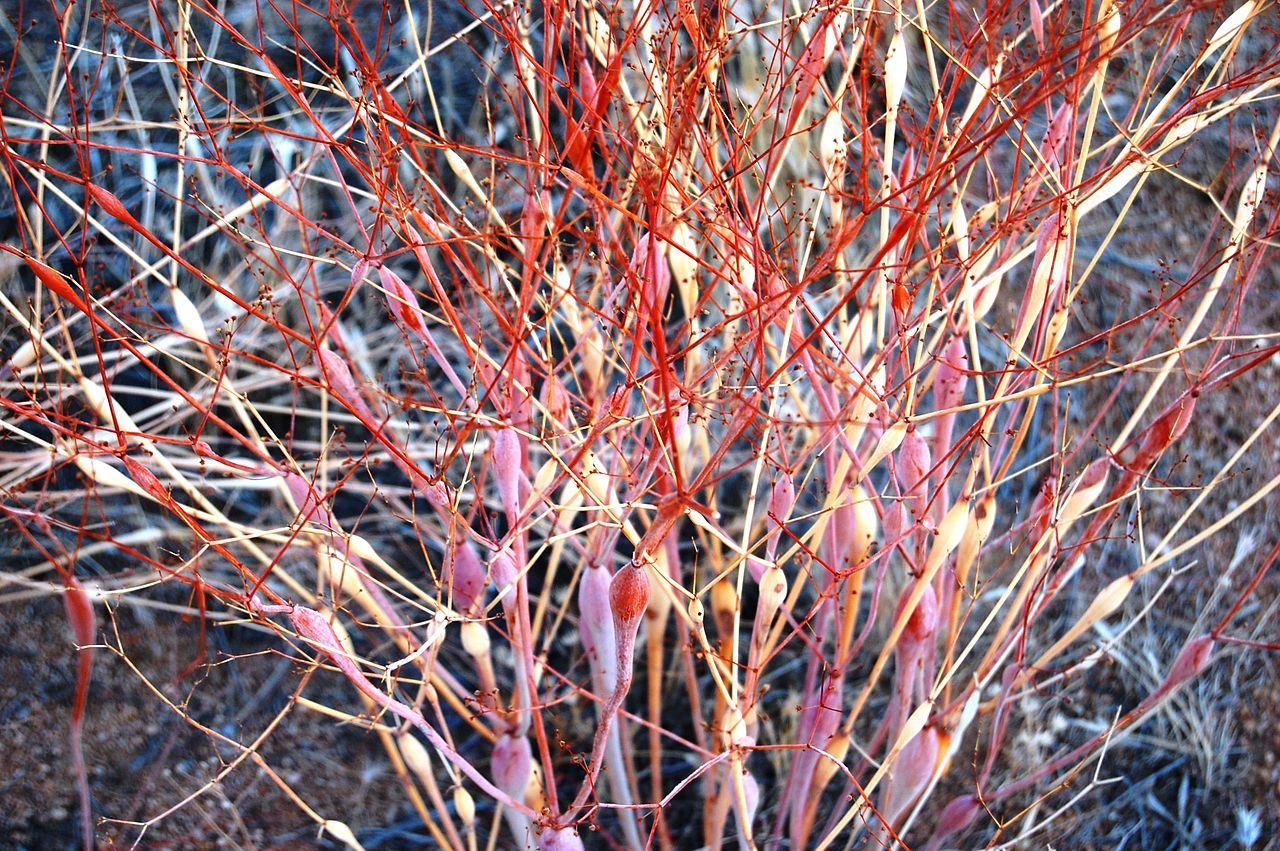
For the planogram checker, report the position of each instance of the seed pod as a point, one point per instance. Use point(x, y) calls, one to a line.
point(103, 473)
point(697, 613)
point(358, 271)
point(535, 795)
point(960, 226)
point(868, 397)
point(1056, 136)
point(1037, 23)
point(1056, 329)
point(1168, 427)
point(1088, 487)
point(901, 302)
point(977, 529)
point(590, 360)
point(865, 525)
point(950, 531)
point(981, 91)
point(681, 431)
point(1107, 601)
point(890, 439)
point(682, 255)
point(54, 281)
point(733, 727)
point(817, 725)
point(1055, 243)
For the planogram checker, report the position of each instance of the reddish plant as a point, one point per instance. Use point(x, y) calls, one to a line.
point(697, 424)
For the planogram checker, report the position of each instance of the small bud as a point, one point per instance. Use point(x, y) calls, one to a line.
point(464, 805)
point(416, 757)
point(475, 639)
point(341, 832)
point(697, 613)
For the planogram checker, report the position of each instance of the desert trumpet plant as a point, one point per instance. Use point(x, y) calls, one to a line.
point(655, 425)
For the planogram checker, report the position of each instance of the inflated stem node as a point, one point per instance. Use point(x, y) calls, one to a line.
point(628, 599)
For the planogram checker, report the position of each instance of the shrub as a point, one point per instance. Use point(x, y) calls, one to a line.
point(672, 423)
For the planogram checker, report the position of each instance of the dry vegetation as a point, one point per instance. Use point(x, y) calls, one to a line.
point(663, 424)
